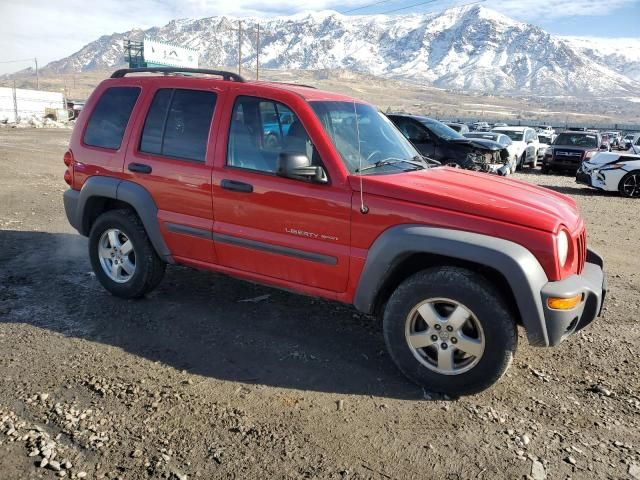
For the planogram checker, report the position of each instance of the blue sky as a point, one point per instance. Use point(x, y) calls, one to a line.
point(52, 30)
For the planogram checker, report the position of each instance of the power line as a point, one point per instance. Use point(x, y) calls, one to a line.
point(430, 1)
point(365, 6)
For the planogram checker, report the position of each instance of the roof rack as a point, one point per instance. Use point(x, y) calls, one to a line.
point(229, 76)
point(291, 84)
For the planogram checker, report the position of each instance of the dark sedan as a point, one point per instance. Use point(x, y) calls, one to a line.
point(436, 140)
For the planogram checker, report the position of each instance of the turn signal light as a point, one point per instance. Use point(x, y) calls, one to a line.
point(564, 303)
point(68, 157)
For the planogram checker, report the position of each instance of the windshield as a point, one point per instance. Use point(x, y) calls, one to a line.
point(380, 140)
point(576, 140)
point(513, 135)
point(440, 129)
point(544, 138)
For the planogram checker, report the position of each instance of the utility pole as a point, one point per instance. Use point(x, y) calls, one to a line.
point(239, 47)
point(258, 52)
point(15, 102)
point(37, 75)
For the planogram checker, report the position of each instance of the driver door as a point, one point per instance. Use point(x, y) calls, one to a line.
point(269, 226)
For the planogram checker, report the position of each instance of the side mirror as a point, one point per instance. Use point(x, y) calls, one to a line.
point(298, 167)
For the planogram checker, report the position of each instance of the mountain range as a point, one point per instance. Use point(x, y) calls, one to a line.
point(470, 48)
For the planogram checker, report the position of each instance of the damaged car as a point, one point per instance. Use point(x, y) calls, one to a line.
point(437, 141)
point(612, 172)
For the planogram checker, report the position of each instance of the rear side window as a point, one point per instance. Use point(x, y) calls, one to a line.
point(178, 123)
point(109, 118)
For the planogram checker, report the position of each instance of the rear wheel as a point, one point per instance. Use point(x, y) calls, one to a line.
point(630, 185)
point(122, 256)
point(449, 331)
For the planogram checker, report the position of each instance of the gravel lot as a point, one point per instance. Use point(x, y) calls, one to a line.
point(211, 377)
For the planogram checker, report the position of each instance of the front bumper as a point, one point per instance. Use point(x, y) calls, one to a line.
point(583, 177)
point(591, 284)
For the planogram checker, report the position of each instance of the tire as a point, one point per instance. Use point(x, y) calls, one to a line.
point(534, 163)
point(487, 321)
point(629, 185)
point(114, 229)
point(523, 158)
point(545, 169)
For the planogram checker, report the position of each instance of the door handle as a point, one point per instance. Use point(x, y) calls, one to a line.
point(139, 168)
point(236, 186)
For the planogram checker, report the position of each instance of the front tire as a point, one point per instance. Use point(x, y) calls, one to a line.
point(121, 254)
point(630, 185)
point(449, 331)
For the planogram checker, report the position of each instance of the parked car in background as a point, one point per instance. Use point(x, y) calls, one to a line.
point(614, 139)
point(500, 124)
point(612, 171)
point(605, 142)
point(546, 129)
point(503, 140)
point(544, 139)
point(631, 141)
point(480, 126)
point(435, 140)
point(458, 127)
point(569, 150)
point(525, 144)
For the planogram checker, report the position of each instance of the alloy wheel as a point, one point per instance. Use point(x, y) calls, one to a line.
point(445, 336)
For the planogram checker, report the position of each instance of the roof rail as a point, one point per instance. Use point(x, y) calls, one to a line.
point(230, 76)
point(291, 84)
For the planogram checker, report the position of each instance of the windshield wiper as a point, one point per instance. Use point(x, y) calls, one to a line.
point(391, 161)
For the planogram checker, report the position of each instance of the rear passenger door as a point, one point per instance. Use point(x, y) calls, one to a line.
point(170, 156)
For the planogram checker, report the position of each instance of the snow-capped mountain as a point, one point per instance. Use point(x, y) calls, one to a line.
point(621, 54)
point(471, 48)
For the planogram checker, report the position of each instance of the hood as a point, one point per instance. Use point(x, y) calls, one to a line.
point(604, 158)
point(482, 143)
point(572, 147)
point(477, 194)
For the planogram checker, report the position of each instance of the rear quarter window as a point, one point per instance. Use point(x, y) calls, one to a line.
point(110, 117)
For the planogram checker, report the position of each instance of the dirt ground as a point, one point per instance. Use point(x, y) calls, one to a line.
point(211, 377)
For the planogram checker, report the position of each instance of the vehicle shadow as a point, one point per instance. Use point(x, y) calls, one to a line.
point(202, 322)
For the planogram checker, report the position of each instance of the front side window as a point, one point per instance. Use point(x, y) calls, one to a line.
point(260, 130)
point(178, 124)
point(110, 117)
point(379, 140)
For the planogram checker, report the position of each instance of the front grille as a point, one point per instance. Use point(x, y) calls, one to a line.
point(581, 250)
point(574, 156)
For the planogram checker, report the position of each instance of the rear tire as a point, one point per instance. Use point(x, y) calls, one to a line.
point(462, 348)
point(121, 254)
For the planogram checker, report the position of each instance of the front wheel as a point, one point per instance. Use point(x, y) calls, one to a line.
point(122, 257)
point(630, 185)
point(449, 331)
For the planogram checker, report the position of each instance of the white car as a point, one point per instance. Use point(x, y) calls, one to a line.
point(524, 141)
point(613, 172)
point(544, 140)
point(634, 144)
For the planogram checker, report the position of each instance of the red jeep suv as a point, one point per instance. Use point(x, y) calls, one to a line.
point(319, 193)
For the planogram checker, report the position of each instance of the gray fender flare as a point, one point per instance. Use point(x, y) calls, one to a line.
point(517, 264)
point(133, 194)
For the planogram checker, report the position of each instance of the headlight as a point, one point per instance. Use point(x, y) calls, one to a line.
point(563, 247)
point(589, 154)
